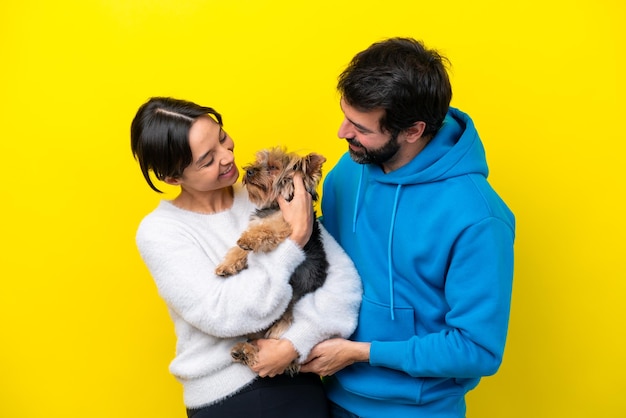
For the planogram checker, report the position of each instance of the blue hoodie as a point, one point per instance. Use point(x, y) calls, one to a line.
point(433, 243)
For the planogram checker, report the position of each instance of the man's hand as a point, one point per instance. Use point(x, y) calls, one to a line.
point(330, 356)
point(273, 357)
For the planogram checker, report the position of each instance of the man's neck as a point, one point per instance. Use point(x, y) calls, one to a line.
point(405, 154)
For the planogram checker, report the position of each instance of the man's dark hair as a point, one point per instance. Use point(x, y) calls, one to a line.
point(403, 77)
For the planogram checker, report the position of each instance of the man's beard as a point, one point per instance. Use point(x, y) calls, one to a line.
point(377, 156)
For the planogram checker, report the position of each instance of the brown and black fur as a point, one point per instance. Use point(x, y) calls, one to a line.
point(270, 176)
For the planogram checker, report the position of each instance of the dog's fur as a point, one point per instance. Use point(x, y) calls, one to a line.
point(269, 177)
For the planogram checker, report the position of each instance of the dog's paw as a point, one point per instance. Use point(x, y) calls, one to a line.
point(226, 270)
point(236, 260)
point(244, 353)
point(293, 369)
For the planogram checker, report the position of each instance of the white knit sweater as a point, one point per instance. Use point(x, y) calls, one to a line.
point(211, 313)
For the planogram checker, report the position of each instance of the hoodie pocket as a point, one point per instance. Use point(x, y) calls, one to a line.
point(375, 382)
point(375, 324)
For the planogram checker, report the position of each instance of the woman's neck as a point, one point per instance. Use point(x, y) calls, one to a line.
point(207, 202)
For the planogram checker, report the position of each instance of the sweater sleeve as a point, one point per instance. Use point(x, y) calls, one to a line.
point(183, 270)
point(332, 310)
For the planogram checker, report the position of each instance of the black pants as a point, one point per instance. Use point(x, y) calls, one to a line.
point(337, 411)
point(301, 396)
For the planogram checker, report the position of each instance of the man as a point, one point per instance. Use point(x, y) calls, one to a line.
point(431, 239)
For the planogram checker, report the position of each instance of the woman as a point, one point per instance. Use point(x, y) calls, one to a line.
point(182, 240)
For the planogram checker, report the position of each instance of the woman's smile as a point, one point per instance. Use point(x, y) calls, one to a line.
point(229, 171)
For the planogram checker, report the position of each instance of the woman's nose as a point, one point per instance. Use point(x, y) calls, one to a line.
point(227, 157)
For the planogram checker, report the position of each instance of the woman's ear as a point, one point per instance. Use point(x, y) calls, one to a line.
point(415, 132)
point(172, 181)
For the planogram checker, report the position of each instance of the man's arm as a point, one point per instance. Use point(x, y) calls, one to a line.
point(330, 356)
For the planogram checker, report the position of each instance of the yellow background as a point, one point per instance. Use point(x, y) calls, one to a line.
point(83, 332)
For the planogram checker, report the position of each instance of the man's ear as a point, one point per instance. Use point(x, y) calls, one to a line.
point(172, 181)
point(415, 132)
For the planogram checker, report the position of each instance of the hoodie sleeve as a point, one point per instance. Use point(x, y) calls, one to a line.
point(478, 291)
point(331, 310)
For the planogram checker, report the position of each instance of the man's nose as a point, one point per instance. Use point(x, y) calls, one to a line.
point(344, 129)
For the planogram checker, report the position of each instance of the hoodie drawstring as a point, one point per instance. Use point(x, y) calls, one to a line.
point(390, 240)
point(390, 249)
point(356, 201)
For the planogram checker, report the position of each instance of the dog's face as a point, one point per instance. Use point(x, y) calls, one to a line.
point(271, 175)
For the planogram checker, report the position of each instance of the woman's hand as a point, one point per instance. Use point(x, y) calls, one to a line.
point(273, 357)
point(299, 212)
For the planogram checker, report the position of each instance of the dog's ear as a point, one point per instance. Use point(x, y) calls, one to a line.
point(312, 172)
point(312, 165)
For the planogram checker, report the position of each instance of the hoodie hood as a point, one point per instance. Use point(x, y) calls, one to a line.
point(456, 150)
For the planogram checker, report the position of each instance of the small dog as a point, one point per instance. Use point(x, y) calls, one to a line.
point(269, 177)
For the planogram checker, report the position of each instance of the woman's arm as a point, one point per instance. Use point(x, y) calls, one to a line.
point(182, 266)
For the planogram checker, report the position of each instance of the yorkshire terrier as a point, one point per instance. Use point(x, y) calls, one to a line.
point(269, 177)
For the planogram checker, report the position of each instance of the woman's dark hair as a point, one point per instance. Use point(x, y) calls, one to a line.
point(402, 77)
point(159, 136)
